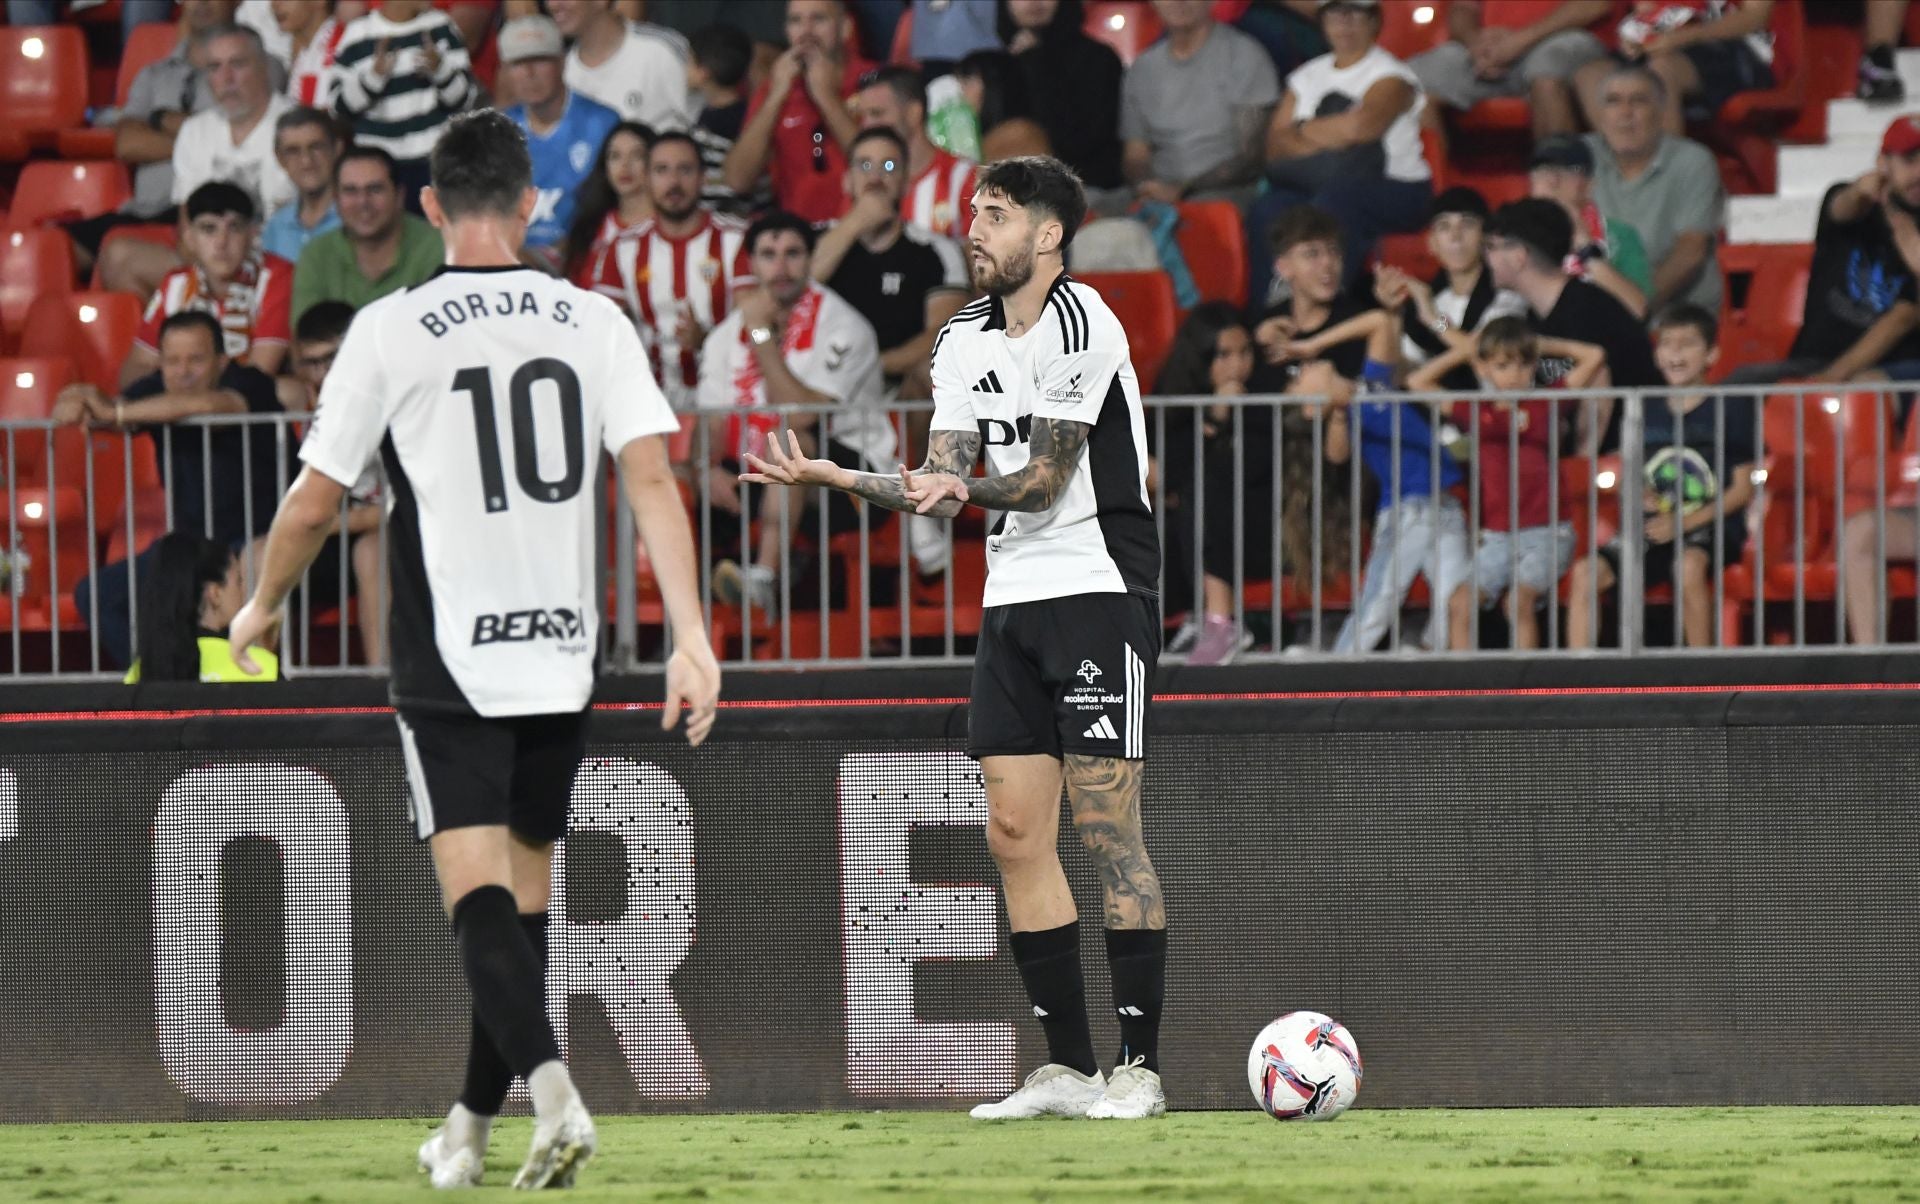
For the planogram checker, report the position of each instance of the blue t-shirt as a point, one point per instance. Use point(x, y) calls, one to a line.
point(283, 235)
point(1414, 448)
point(562, 161)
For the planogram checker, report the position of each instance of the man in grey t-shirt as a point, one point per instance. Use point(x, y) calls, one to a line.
point(1665, 187)
point(1193, 109)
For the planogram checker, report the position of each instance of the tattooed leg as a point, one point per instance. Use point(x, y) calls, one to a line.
point(1106, 810)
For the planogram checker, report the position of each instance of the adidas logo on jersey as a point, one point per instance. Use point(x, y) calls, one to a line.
point(1102, 730)
point(990, 383)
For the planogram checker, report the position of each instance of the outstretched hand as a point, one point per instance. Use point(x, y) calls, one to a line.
point(788, 466)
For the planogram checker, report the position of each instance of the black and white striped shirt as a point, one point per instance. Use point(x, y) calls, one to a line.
point(403, 111)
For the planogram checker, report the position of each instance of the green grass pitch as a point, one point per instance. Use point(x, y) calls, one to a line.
point(1797, 1154)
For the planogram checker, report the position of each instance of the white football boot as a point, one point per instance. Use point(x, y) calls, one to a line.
point(1133, 1093)
point(456, 1155)
point(561, 1146)
point(1052, 1090)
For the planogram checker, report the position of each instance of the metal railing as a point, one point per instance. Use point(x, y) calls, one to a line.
point(1327, 530)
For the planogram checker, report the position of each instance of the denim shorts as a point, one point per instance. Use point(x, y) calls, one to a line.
point(1532, 558)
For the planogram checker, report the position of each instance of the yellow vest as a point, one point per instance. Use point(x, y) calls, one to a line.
point(217, 663)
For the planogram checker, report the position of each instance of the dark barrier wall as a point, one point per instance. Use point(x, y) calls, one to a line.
point(1606, 898)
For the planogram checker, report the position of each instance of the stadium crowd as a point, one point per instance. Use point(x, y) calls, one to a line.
point(778, 193)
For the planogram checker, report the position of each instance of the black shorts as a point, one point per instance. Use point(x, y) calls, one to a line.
point(464, 771)
point(1070, 674)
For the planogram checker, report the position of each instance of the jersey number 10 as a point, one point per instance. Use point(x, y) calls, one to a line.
point(478, 382)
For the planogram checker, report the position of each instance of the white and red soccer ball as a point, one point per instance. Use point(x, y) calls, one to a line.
point(1304, 1066)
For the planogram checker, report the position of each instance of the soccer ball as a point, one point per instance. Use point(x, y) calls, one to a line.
point(1304, 1066)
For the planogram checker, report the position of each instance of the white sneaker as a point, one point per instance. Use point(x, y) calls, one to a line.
point(1052, 1090)
point(449, 1165)
point(560, 1148)
point(1133, 1093)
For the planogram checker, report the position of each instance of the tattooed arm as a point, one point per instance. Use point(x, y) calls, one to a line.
point(950, 454)
point(942, 486)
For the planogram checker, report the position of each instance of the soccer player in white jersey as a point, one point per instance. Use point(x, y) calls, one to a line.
point(1038, 373)
point(488, 391)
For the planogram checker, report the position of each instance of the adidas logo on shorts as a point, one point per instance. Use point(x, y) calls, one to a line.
point(1102, 730)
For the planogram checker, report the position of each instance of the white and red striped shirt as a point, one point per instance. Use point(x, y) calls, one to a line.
point(658, 276)
point(940, 199)
point(309, 75)
point(598, 273)
point(253, 309)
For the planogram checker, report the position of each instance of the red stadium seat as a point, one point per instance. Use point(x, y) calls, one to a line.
point(51, 524)
point(1144, 303)
point(51, 191)
point(93, 329)
point(1410, 27)
point(1213, 240)
point(160, 234)
point(148, 43)
point(33, 263)
point(28, 385)
point(900, 54)
point(1748, 126)
point(1129, 26)
point(1766, 293)
point(43, 85)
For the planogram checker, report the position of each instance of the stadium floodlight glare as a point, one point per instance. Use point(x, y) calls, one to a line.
point(1117, 22)
point(1830, 404)
point(33, 510)
point(1605, 478)
point(23, 380)
point(33, 48)
point(88, 313)
point(1423, 15)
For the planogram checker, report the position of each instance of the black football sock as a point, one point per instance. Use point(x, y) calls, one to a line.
point(1138, 958)
point(505, 976)
point(488, 1075)
point(1881, 57)
point(1049, 964)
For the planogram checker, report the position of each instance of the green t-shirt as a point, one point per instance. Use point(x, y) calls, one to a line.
point(1625, 252)
point(328, 271)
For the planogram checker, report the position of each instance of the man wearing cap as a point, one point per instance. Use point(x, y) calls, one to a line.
point(1527, 247)
point(1862, 315)
point(1606, 251)
point(1667, 188)
point(564, 129)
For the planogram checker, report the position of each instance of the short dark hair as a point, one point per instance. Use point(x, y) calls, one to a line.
point(196, 319)
point(219, 198)
point(367, 154)
point(1542, 226)
point(1459, 199)
point(1509, 335)
point(774, 223)
point(480, 166)
point(324, 322)
point(1042, 183)
point(906, 83)
point(1685, 313)
point(873, 132)
point(724, 50)
point(1303, 223)
point(300, 116)
point(671, 136)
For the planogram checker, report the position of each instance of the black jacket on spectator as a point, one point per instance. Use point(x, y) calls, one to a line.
point(188, 454)
point(1858, 275)
point(1074, 84)
point(1589, 314)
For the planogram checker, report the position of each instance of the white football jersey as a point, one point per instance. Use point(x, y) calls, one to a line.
point(1099, 537)
point(489, 394)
